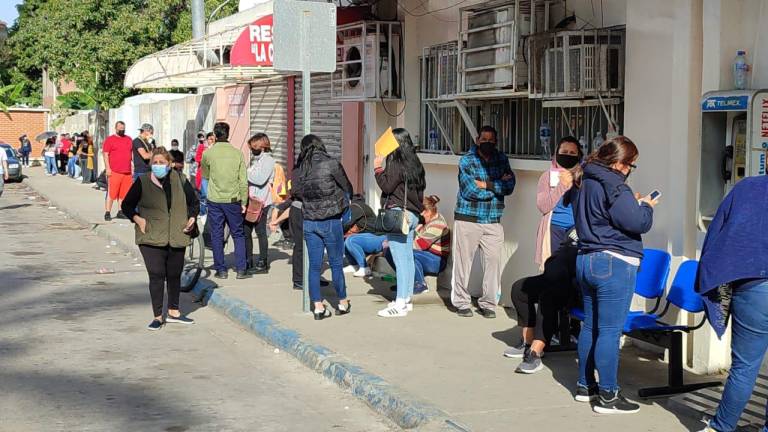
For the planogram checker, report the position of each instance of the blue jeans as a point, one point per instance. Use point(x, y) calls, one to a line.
point(749, 341)
point(232, 215)
point(204, 196)
point(71, 164)
point(607, 284)
point(425, 263)
point(50, 165)
point(401, 248)
point(320, 236)
point(359, 245)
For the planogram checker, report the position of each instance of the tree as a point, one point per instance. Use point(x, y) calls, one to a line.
point(94, 42)
point(9, 96)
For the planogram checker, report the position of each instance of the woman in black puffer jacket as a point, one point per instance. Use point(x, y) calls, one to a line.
point(322, 186)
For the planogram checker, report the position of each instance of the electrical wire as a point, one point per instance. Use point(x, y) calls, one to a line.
point(430, 12)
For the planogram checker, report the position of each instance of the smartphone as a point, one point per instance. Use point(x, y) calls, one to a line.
point(655, 195)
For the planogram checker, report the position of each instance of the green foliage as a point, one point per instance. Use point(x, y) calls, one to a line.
point(77, 100)
point(9, 96)
point(94, 42)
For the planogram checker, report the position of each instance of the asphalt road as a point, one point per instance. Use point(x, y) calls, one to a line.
point(75, 354)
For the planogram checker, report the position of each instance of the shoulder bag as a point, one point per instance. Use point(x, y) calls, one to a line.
point(394, 221)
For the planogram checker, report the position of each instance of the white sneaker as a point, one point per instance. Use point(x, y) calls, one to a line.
point(362, 272)
point(408, 306)
point(350, 269)
point(393, 311)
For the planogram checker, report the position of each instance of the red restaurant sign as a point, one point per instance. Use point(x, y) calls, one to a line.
point(254, 45)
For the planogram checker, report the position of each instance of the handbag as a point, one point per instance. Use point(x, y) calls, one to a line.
point(394, 221)
point(254, 209)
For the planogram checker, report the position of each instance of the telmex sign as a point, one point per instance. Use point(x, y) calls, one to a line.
point(254, 45)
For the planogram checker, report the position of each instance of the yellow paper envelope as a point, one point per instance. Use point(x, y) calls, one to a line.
point(386, 144)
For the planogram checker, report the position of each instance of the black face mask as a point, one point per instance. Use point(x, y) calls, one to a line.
point(487, 148)
point(567, 161)
point(121, 133)
point(256, 152)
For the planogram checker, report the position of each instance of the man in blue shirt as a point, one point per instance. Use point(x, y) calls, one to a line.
point(485, 179)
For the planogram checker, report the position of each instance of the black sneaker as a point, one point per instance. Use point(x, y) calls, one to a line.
point(181, 319)
point(586, 394)
point(155, 325)
point(221, 274)
point(531, 363)
point(612, 402)
point(242, 275)
point(121, 215)
point(487, 313)
point(107, 216)
point(261, 267)
point(324, 282)
point(466, 313)
point(298, 287)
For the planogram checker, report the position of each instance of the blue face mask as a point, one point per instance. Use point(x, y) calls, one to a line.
point(160, 171)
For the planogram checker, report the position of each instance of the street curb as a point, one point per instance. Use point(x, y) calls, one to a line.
point(381, 396)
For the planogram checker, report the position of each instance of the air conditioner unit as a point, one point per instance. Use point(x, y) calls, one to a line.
point(577, 64)
point(492, 36)
point(370, 62)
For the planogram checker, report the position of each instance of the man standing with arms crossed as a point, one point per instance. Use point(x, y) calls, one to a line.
point(224, 168)
point(117, 151)
point(142, 150)
point(485, 179)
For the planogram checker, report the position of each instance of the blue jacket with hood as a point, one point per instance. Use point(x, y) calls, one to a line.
point(608, 216)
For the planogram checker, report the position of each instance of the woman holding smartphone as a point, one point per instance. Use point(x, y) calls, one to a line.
point(610, 220)
point(163, 206)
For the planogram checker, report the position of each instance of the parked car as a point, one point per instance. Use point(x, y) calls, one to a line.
point(14, 163)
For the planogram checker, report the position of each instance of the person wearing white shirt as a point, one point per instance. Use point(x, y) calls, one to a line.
point(3, 169)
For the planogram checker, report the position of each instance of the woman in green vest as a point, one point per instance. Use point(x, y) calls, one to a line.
point(163, 206)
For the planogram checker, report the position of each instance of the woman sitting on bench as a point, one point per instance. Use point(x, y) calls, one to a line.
point(431, 245)
point(360, 238)
point(555, 195)
point(553, 291)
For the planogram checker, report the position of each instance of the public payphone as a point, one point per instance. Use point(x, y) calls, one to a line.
point(734, 141)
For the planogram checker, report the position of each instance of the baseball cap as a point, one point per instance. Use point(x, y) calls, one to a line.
point(147, 127)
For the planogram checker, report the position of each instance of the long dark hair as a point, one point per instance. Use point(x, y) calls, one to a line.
point(405, 157)
point(309, 145)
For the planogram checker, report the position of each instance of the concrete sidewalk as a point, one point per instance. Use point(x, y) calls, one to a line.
point(450, 362)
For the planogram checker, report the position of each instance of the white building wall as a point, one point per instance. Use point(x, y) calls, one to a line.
point(676, 51)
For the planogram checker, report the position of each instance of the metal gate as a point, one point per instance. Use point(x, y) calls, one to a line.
point(326, 115)
point(269, 109)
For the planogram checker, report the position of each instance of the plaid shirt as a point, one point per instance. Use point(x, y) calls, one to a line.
point(484, 206)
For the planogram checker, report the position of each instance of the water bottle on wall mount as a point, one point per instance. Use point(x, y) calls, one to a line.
point(432, 139)
point(740, 68)
point(545, 138)
point(597, 141)
point(584, 144)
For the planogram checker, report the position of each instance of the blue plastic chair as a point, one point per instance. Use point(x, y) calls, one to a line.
point(650, 329)
point(651, 280)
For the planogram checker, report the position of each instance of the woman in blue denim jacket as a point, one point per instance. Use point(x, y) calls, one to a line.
point(733, 279)
point(610, 220)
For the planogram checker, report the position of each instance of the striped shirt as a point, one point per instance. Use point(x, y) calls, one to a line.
point(434, 237)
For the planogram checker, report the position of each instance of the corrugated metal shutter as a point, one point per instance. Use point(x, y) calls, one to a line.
point(269, 108)
point(326, 115)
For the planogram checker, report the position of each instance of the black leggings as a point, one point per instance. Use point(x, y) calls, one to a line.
point(552, 291)
point(164, 266)
point(296, 220)
point(260, 227)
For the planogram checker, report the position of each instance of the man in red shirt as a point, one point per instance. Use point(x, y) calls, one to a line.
point(118, 154)
point(66, 144)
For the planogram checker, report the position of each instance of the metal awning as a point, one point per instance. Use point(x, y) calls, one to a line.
point(196, 63)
